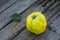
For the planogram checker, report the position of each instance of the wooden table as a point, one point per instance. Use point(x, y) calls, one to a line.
point(10, 30)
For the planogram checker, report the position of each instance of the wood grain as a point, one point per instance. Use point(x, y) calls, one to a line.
point(5, 4)
point(17, 7)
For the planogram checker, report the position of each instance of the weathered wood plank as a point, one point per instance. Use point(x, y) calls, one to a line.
point(20, 6)
point(4, 4)
point(32, 8)
point(54, 11)
point(53, 6)
point(9, 32)
point(24, 35)
point(53, 15)
point(53, 34)
point(49, 35)
point(46, 36)
point(56, 25)
point(53, 18)
point(12, 28)
point(49, 12)
point(27, 35)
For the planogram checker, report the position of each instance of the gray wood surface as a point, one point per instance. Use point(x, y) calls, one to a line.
point(51, 10)
point(18, 7)
point(12, 28)
point(8, 31)
point(48, 36)
point(56, 25)
point(4, 4)
point(53, 15)
point(54, 33)
point(25, 35)
point(17, 30)
point(53, 6)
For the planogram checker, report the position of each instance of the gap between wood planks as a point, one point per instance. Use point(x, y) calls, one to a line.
point(27, 35)
point(17, 7)
point(53, 16)
point(7, 5)
point(12, 28)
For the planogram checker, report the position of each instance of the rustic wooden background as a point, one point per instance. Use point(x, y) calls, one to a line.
point(10, 30)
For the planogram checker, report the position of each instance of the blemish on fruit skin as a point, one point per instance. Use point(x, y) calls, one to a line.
point(34, 17)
